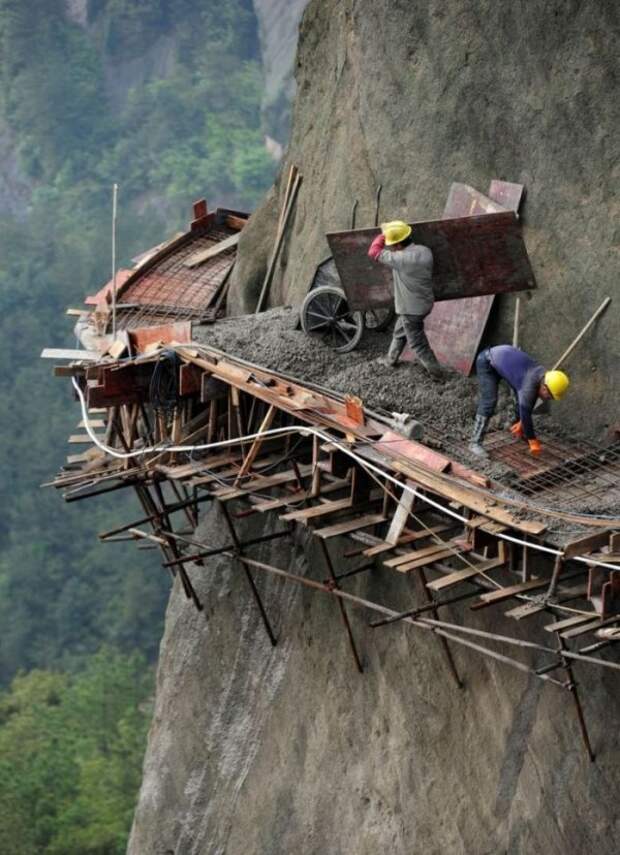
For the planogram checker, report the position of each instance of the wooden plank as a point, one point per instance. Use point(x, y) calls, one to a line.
point(417, 553)
point(430, 559)
point(233, 222)
point(92, 423)
point(213, 251)
point(590, 626)
point(462, 575)
point(225, 494)
point(460, 494)
point(186, 470)
point(69, 370)
point(511, 591)
point(84, 439)
point(190, 379)
point(401, 516)
point(406, 538)
point(256, 445)
point(298, 496)
point(318, 510)
point(586, 544)
point(71, 354)
point(394, 443)
point(614, 542)
point(567, 623)
point(529, 609)
point(349, 525)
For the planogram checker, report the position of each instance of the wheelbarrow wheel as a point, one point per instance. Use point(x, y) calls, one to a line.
point(378, 320)
point(326, 313)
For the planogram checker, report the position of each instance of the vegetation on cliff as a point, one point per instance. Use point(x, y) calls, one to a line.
point(163, 97)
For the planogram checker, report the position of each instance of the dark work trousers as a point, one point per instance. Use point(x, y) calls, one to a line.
point(409, 329)
point(488, 379)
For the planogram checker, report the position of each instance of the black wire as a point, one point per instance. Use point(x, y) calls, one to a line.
point(164, 387)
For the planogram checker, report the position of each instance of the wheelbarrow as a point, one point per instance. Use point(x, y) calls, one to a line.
point(473, 256)
point(325, 311)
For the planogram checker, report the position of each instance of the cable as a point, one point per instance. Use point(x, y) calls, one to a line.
point(306, 430)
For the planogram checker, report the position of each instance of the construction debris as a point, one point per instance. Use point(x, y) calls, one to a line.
point(319, 441)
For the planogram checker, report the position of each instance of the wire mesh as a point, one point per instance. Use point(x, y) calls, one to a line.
point(171, 291)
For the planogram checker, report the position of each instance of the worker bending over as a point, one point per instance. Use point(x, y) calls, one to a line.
point(412, 272)
point(529, 381)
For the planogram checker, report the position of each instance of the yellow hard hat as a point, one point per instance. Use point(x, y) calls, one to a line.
point(557, 383)
point(395, 232)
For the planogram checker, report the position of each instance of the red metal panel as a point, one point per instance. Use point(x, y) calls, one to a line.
point(393, 443)
point(455, 328)
point(472, 256)
point(464, 201)
point(103, 293)
point(180, 332)
point(506, 194)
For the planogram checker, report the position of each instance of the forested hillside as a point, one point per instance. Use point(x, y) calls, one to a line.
point(163, 97)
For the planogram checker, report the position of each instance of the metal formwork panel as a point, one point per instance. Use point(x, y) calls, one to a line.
point(455, 328)
point(472, 256)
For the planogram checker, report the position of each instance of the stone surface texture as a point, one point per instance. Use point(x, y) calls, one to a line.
point(273, 751)
point(257, 750)
point(415, 95)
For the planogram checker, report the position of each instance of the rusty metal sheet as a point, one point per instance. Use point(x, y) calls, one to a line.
point(393, 443)
point(179, 332)
point(454, 332)
point(472, 256)
point(104, 294)
point(465, 201)
point(507, 194)
point(455, 327)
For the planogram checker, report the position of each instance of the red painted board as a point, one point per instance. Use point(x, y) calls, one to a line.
point(180, 332)
point(465, 201)
point(506, 194)
point(393, 443)
point(106, 291)
point(454, 331)
point(472, 256)
point(455, 328)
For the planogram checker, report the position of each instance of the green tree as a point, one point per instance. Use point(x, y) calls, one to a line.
point(70, 757)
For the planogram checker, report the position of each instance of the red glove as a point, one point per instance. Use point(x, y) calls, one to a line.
point(517, 430)
point(535, 446)
point(376, 247)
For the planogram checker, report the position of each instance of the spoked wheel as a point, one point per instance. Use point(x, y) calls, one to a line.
point(325, 312)
point(379, 319)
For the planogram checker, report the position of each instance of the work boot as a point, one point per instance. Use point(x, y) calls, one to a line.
point(431, 366)
point(480, 428)
point(393, 354)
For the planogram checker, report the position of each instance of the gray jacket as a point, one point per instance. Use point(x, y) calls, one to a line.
point(412, 271)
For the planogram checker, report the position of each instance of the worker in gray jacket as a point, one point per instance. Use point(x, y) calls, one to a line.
point(412, 272)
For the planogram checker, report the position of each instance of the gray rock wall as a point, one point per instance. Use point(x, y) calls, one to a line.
point(289, 750)
point(257, 750)
point(278, 24)
point(415, 95)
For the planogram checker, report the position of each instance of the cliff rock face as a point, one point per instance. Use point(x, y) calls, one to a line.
point(415, 95)
point(278, 23)
point(273, 751)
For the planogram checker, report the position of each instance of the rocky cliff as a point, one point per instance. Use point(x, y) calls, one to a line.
point(415, 95)
point(278, 24)
point(273, 751)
